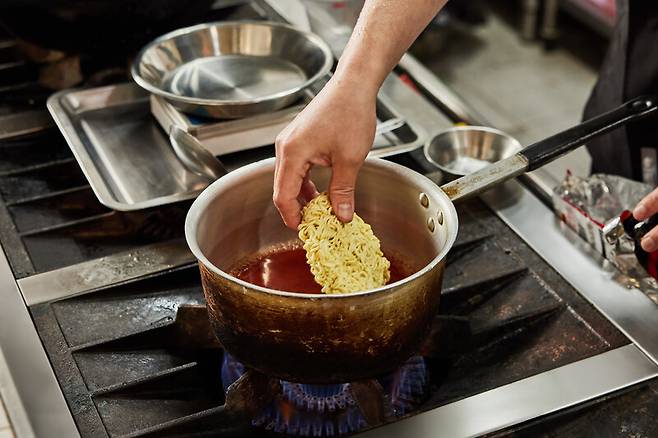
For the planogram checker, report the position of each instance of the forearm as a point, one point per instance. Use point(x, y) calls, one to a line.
point(385, 30)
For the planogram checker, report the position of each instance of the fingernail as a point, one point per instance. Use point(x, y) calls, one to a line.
point(649, 244)
point(345, 212)
point(641, 212)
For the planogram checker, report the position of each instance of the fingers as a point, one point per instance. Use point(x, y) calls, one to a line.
point(341, 188)
point(308, 190)
point(650, 241)
point(647, 206)
point(289, 177)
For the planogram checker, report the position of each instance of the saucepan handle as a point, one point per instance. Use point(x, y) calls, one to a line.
point(553, 147)
point(545, 151)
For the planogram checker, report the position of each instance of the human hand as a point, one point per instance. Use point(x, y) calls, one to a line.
point(646, 208)
point(335, 130)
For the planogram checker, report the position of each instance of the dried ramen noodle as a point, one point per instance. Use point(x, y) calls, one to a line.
point(343, 257)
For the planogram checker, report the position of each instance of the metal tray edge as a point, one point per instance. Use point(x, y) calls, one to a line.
point(63, 120)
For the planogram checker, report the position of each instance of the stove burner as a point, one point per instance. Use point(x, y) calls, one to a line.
point(328, 410)
point(406, 387)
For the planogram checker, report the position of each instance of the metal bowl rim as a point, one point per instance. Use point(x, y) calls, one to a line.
point(315, 39)
point(200, 204)
point(441, 167)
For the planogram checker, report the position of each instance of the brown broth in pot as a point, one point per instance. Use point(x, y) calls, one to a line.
point(285, 269)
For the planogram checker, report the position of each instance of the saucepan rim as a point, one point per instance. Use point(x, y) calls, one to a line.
point(200, 205)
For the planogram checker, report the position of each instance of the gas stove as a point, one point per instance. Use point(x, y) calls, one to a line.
point(139, 359)
point(104, 332)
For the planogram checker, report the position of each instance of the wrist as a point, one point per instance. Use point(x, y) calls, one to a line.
point(357, 79)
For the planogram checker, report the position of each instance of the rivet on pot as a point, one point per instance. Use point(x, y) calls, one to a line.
point(440, 218)
point(424, 200)
point(430, 224)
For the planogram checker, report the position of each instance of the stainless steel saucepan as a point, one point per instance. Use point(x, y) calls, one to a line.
point(342, 338)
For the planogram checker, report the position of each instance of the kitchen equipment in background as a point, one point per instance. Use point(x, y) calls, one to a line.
point(124, 155)
point(462, 150)
point(232, 69)
point(130, 164)
point(333, 20)
point(223, 137)
point(536, 155)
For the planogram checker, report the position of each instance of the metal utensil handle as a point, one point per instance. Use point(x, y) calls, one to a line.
point(194, 155)
point(389, 125)
point(551, 148)
point(545, 151)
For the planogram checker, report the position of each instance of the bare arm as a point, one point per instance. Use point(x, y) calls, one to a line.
point(385, 30)
point(337, 128)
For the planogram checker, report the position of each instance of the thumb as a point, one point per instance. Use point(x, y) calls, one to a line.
point(341, 189)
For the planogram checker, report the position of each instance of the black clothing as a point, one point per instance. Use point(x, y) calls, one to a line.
point(630, 69)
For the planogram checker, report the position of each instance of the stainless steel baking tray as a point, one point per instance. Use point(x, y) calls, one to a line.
point(128, 160)
point(125, 156)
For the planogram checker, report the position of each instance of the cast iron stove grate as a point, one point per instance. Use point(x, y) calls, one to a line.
point(139, 359)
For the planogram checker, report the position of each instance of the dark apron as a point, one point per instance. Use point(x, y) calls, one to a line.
point(630, 69)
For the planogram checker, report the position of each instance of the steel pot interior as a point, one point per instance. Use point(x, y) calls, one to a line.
point(235, 218)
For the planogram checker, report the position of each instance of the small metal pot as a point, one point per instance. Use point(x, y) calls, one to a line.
point(461, 150)
point(342, 338)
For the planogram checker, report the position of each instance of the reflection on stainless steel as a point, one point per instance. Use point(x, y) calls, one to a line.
point(465, 149)
point(485, 178)
point(32, 396)
point(194, 156)
point(106, 271)
point(232, 69)
point(529, 398)
point(127, 159)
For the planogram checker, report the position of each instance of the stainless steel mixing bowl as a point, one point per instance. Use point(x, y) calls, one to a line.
point(463, 150)
point(232, 69)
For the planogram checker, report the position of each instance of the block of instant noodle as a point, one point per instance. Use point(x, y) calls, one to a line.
point(343, 258)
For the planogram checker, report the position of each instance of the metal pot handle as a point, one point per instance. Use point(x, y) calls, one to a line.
point(547, 150)
point(536, 155)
